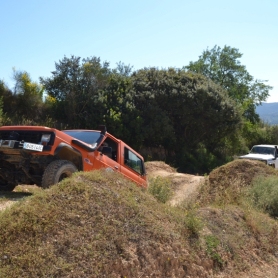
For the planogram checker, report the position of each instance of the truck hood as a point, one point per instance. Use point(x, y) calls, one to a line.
point(258, 156)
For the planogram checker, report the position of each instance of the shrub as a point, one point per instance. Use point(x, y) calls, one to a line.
point(160, 188)
point(212, 243)
point(264, 194)
point(193, 222)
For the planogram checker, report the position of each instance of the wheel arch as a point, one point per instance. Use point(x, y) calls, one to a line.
point(67, 152)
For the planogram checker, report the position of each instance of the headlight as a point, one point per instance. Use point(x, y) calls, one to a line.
point(271, 162)
point(45, 138)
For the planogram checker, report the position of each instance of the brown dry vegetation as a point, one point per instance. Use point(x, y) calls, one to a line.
point(100, 225)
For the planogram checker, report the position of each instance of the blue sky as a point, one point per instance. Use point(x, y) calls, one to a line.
point(37, 33)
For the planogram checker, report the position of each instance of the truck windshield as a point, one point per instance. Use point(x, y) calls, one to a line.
point(89, 137)
point(263, 150)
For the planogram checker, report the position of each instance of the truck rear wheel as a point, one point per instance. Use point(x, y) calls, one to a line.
point(56, 171)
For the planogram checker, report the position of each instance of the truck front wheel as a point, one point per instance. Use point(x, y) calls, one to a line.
point(5, 186)
point(56, 171)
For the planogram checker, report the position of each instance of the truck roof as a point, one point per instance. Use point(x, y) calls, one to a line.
point(265, 145)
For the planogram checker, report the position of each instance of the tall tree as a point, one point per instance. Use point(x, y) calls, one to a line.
point(224, 68)
point(28, 99)
point(121, 115)
point(75, 88)
point(181, 110)
point(8, 102)
point(2, 116)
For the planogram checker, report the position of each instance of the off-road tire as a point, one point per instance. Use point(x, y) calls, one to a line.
point(5, 186)
point(56, 171)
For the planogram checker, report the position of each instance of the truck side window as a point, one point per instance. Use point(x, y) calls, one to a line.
point(114, 145)
point(133, 161)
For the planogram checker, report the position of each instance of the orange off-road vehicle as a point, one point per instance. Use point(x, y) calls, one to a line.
point(44, 156)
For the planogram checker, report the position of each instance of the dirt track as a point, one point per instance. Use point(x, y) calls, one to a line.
point(184, 185)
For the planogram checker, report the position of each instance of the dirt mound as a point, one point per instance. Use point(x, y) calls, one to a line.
point(230, 180)
point(243, 169)
point(249, 234)
point(239, 242)
point(155, 167)
point(96, 224)
point(229, 231)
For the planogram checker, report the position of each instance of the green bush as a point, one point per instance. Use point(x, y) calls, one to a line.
point(264, 194)
point(193, 222)
point(212, 243)
point(160, 188)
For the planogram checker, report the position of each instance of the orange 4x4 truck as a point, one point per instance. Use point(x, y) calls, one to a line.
point(44, 156)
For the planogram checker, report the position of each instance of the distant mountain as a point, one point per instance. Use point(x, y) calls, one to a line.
point(268, 112)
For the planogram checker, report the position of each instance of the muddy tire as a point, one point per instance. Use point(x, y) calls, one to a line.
point(56, 171)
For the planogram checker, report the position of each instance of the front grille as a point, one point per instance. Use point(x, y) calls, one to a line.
point(25, 136)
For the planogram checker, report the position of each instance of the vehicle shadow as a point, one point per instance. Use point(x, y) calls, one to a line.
point(14, 196)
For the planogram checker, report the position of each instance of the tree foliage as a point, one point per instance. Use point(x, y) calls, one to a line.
point(224, 68)
point(23, 105)
point(7, 100)
point(75, 91)
point(121, 115)
point(189, 106)
point(28, 97)
point(180, 111)
point(2, 120)
point(86, 93)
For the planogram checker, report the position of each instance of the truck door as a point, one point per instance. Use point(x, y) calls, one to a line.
point(108, 160)
point(132, 166)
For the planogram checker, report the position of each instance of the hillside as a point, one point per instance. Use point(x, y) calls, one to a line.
point(100, 225)
point(268, 112)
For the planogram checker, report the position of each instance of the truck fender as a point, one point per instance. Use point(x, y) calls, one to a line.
point(67, 152)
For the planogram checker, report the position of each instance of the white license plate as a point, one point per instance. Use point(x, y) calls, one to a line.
point(33, 147)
